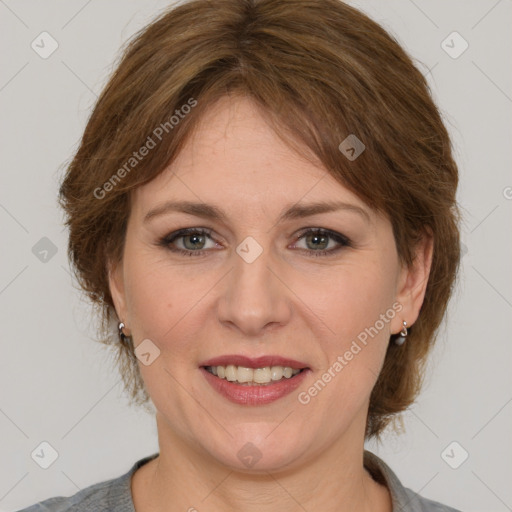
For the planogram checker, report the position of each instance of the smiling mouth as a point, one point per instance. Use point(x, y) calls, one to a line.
point(242, 375)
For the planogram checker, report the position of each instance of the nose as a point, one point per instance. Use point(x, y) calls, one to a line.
point(254, 297)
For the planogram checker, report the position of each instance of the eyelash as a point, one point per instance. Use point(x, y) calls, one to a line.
point(169, 239)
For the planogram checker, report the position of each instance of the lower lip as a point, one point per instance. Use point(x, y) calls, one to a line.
point(254, 395)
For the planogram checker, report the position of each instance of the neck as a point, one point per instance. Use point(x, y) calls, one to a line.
point(334, 480)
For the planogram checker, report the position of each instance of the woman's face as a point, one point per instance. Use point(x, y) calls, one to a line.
point(259, 284)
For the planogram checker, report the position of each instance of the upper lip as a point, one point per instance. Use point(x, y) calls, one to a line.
point(254, 362)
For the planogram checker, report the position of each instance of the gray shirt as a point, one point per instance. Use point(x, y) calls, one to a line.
point(115, 495)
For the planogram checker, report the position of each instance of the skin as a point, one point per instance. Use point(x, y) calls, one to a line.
point(287, 302)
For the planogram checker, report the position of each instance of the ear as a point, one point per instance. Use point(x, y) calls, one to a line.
point(412, 283)
point(117, 289)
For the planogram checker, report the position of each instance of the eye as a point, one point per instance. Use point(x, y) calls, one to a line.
point(323, 241)
point(192, 239)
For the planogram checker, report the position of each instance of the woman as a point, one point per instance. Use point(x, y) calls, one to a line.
point(263, 206)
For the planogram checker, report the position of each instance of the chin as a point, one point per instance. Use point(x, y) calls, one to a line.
point(256, 451)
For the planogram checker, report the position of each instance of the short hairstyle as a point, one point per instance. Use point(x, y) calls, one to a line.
point(320, 70)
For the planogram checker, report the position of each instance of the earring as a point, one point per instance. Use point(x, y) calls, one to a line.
point(403, 334)
point(122, 335)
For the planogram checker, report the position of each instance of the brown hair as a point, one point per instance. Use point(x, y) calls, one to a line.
point(320, 70)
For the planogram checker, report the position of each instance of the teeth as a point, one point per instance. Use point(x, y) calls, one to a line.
point(262, 375)
point(276, 372)
point(231, 373)
point(245, 375)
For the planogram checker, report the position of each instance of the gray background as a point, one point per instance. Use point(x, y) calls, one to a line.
point(58, 386)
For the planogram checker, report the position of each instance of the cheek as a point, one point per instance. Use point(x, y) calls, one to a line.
point(163, 300)
point(356, 306)
point(352, 297)
point(152, 292)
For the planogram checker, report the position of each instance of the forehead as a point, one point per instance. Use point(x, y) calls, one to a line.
point(235, 159)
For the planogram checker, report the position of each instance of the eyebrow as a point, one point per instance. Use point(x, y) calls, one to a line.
point(297, 211)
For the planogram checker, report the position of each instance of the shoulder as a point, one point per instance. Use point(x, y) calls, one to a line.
point(419, 504)
point(113, 495)
point(403, 498)
point(90, 499)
